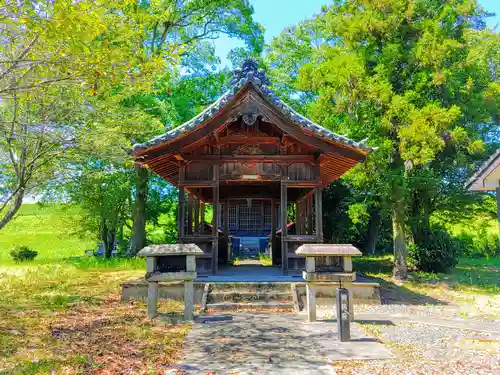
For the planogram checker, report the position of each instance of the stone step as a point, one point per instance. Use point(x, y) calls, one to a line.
point(249, 287)
point(224, 306)
point(237, 296)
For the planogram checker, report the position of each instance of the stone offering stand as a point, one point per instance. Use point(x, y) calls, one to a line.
point(171, 263)
point(327, 263)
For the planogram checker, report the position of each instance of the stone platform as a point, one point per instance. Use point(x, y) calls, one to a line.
point(263, 343)
point(252, 278)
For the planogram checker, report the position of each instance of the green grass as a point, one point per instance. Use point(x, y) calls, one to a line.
point(55, 318)
point(266, 260)
point(50, 230)
point(469, 276)
point(61, 313)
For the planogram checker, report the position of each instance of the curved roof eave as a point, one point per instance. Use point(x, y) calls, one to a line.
point(250, 75)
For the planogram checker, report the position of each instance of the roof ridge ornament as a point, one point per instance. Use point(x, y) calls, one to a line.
point(249, 72)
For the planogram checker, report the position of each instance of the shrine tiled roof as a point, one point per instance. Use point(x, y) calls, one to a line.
point(249, 73)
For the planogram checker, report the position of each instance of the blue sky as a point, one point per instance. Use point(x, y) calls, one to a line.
point(275, 15)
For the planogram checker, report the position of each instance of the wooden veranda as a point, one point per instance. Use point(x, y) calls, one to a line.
point(250, 152)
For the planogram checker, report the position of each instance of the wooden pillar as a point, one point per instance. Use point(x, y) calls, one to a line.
point(202, 217)
point(301, 217)
point(262, 216)
point(196, 216)
point(273, 228)
point(182, 212)
point(298, 224)
point(215, 221)
point(226, 229)
point(309, 214)
point(284, 229)
point(319, 213)
point(190, 214)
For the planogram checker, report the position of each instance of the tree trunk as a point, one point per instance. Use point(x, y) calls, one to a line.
point(104, 237)
point(110, 243)
point(108, 236)
point(138, 239)
point(373, 230)
point(420, 220)
point(13, 209)
point(400, 270)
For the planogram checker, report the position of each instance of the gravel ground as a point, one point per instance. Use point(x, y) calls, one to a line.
point(452, 312)
point(439, 311)
point(423, 349)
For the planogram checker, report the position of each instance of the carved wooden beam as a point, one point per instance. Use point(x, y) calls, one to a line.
point(256, 158)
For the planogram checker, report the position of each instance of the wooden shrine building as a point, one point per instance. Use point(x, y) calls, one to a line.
point(250, 156)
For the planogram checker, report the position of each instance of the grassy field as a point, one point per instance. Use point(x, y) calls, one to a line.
point(61, 313)
point(52, 230)
point(470, 275)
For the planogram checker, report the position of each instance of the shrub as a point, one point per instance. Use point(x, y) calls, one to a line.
point(22, 253)
point(482, 244)
point(439, 252)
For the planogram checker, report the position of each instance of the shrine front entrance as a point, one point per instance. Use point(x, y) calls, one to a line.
point(250, 227)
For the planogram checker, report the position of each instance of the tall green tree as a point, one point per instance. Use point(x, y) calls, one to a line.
point(109, 54)
point(57, 57)
point(420, 79)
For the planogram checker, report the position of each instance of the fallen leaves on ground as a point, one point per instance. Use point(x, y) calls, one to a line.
point(109, 338)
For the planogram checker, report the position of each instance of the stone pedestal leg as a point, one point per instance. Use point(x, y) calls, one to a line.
point(311, 301)
point(348, 286)
point(152, 299)
point(188, 299)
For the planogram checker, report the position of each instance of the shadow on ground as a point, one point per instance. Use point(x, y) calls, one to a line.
point(270, 344)
point(391, 293)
